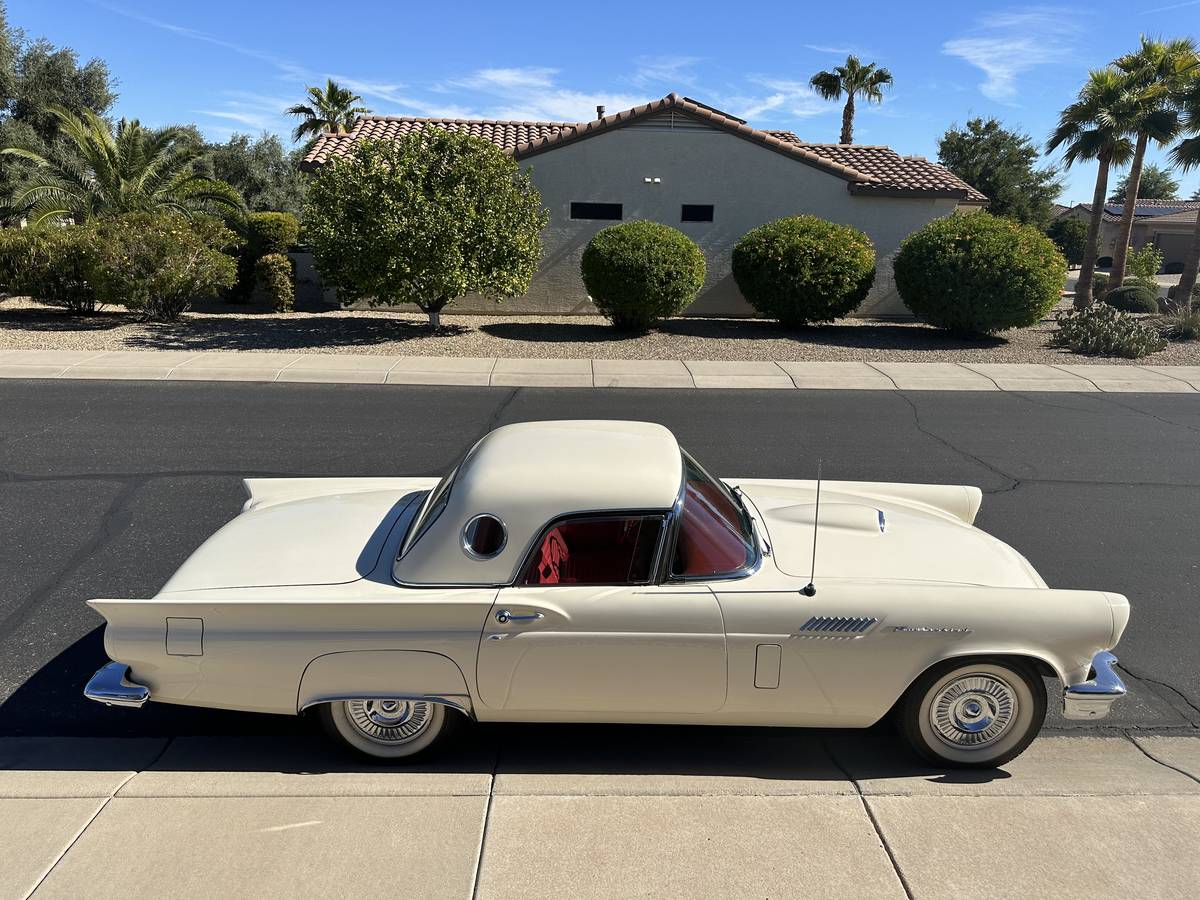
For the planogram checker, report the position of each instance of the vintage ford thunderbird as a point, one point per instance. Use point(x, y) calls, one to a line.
point(592, 571)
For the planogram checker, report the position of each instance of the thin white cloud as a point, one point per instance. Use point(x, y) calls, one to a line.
point(534, 93)
point(1007, 44)
point(784, 99)
point(675, 71)
point(1159, 9)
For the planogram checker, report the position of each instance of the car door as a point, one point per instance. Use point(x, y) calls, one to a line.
point(580, 638)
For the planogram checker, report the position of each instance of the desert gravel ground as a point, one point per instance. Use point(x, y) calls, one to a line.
point(32, 326)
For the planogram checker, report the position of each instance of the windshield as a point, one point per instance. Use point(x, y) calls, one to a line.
point(716, 536)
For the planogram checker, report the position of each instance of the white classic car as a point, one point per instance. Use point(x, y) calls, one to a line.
point(592, 571)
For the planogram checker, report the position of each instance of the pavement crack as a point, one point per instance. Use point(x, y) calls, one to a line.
point(1162, 684)
point(1108, 398)
point(487, 818)
point(112, 523)
point(862, 798)
point(1015, 482)
point(1150, 756)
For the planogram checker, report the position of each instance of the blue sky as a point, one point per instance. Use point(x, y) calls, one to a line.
point(233, 66)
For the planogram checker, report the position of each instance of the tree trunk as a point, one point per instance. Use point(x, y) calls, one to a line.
point(1087, 266)
point(848, 120)
point(434, 311)
point(1187, 280)
point(1121, 253)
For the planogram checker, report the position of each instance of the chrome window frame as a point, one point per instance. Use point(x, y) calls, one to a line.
point(676, 524)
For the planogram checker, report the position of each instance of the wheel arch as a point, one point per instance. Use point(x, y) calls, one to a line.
point(1039, 664)
point(384, 675)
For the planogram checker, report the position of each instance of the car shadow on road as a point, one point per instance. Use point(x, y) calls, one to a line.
point(47, 723)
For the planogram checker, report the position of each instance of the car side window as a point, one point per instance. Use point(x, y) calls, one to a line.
point(596, 550)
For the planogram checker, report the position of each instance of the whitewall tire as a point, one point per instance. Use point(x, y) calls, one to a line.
point(398, 730)
point(973, 713)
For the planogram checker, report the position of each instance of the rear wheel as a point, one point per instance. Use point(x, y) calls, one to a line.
point(974, 715)
point(389, 729)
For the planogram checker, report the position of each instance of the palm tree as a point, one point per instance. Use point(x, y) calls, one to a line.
point(1157, 72)
point(852, 79)
point(94, 172)
point(1186, 155)
point(1094, 128)
point(331, 109)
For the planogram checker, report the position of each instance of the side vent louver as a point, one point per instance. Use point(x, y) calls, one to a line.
point(837, 627)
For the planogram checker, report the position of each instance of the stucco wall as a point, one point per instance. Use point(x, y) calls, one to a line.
point(746, 183)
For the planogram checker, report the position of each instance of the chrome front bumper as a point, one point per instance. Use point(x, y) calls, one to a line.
point(112, 687)
point(1091, 699)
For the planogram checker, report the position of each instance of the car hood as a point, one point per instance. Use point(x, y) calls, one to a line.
point(322, 539)
point(882, 536)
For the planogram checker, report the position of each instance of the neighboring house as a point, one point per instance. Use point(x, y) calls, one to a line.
point(1166, 224)
point(700, 170)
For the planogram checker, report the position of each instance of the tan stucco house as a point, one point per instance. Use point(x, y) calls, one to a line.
point(703, 171)
point(1165, 224)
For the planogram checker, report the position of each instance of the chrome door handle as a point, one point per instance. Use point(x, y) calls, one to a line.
point(504, 616)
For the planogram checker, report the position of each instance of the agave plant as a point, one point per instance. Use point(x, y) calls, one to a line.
point(95, 172)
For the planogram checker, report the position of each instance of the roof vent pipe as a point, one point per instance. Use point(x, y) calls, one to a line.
point(599, 112)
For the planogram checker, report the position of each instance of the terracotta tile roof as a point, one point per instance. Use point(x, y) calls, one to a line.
point(868, 169)
point(505, 135)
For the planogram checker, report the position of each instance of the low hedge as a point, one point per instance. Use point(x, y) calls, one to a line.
point(639, 272)
point(264, 233)
point(51, 264)
point(803, 270)
point(979, 274)
point(1132, 298)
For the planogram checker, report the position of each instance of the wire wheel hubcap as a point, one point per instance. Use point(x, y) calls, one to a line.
point(390, 722)
point(973, 711)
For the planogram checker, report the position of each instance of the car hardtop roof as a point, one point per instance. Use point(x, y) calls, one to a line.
point(531, 473)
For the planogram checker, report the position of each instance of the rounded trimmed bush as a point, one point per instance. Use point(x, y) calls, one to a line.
point(275, 272)
point(802, 269)
point(979, 274)
point(1099, 285)
point(1132, 298)
point(639, 272)
point(265, 233)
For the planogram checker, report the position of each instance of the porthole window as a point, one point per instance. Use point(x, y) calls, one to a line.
point(484, 537)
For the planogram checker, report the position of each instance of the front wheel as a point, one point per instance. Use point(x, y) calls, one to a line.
point(973, 715)
point(398, 730)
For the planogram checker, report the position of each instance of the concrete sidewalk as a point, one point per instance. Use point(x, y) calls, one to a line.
point(363, 368)
point(618, 812)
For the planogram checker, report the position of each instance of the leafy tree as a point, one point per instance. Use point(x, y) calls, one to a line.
point(1156, 183)
point(425, 220)
point(260, 170)
point(1001, 164)
point(1093, 128)
point(93, 172)
point(332, 109)
point(1070, 234)
point(1156, 74)
point(1186, 155)
point(854, 80)
point(34, 76)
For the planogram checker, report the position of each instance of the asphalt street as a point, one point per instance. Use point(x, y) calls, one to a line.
point(106, 487)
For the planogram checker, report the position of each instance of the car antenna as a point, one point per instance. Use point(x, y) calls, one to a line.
point(810, 589)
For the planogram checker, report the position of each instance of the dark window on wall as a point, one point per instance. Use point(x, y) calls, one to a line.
point(596, 211)
point(696, 212)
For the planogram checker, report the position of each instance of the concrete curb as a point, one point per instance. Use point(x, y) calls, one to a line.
point(362, 368)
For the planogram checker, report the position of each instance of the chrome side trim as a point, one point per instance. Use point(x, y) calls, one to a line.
point(112, 687)
point(1093, 698)
point(461, 702)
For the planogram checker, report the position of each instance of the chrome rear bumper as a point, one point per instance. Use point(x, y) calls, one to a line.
point(112, 687)
point(1091, 699)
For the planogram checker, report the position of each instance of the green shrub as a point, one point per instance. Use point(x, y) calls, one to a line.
point(218, 236)
point(1070, 236)
point(264, 233)
point(1132, 298)
point(156, 264)
point(1102, 330)
point(803, 269)
point(639, 272)
point(979, 274)
point(1099, 285)
point(1144, 263)
point(1173, 292)
point(1180, 326)
point(275, 272)
point(51, 264)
